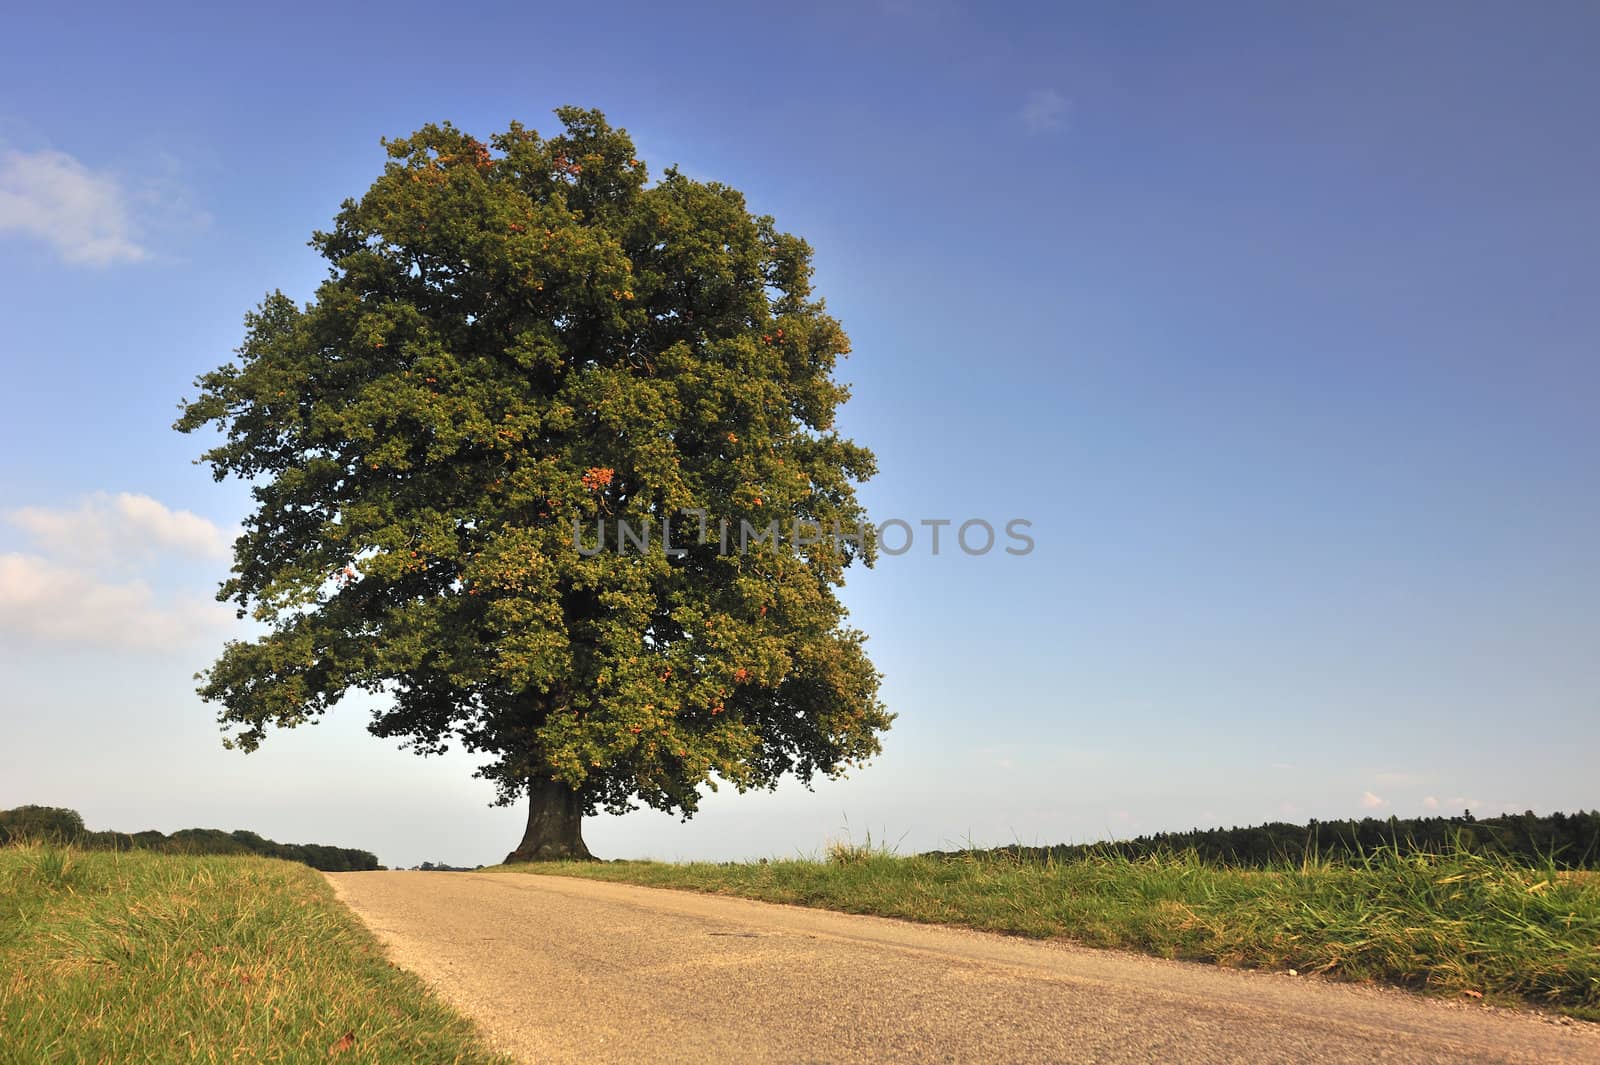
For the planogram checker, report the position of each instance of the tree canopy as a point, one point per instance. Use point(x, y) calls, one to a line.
point(518, 339)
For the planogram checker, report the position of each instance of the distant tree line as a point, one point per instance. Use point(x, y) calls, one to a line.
point(1570, 841)
point(55, 824)
point(441, 867)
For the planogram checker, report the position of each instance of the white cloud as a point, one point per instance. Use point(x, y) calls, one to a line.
point(85, 582)
point(1044, 110)
point(1431, 803)
point(48, 602)
point(84, 215)
point(105, 530)
point(1372, 802)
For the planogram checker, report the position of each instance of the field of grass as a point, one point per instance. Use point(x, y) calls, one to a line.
point(1459, 924)
point(139, 957)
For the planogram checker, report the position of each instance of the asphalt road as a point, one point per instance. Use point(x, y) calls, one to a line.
point(562, 970)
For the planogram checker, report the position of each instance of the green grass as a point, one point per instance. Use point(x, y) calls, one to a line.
point(1457, 924)
point(139, 957)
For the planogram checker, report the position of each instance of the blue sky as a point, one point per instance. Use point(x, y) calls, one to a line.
point(1279, 326)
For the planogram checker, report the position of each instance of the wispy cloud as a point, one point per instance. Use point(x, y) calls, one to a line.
point(47, 602)
point(82, 214)
point(1373, 802)
point(1430, 803)
point(86, 583)
point(1044, 110)
point(105, 529)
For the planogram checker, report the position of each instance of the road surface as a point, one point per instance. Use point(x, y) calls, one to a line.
point(562, 970)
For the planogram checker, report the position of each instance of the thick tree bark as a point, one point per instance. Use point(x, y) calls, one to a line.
point(555, 826)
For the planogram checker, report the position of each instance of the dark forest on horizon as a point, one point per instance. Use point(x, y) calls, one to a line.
point(53, 824)
point(1566, 841)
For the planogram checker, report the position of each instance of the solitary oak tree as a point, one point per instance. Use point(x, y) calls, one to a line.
point(518, 339)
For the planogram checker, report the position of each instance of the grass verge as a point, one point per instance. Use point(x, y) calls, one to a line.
point(139, 957)
point(1459, 924)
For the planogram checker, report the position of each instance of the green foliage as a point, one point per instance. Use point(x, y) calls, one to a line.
point(1455, 922)
point(56, 825)
point(52, 865)
point(1567, 841)
point(146, 959)
point(846, 850)
point(517, 338)
point(44, 823)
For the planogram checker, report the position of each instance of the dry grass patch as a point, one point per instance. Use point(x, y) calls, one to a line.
point(139, 957)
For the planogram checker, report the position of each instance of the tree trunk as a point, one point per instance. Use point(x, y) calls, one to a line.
point(555, 826)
